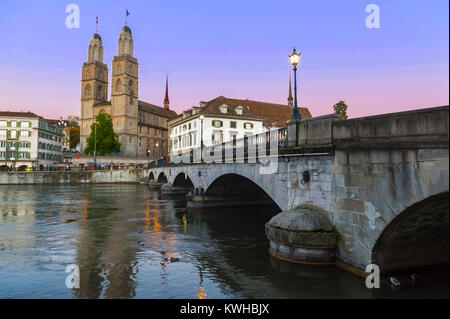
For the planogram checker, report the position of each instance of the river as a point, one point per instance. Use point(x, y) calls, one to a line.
point(129, 243)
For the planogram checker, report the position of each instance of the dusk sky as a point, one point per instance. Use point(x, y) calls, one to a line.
point(235, 48)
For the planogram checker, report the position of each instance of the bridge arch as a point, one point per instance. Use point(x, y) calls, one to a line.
point(151, 176)
point(239, 188)
point(417, 237)
point(183, 180)
point(162, 178)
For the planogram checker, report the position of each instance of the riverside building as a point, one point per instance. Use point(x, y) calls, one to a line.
point(28, 140)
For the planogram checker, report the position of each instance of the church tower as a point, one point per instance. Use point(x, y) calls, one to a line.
point(94, 86)
point(290, 99)
point(124, 94)
point(166, 97)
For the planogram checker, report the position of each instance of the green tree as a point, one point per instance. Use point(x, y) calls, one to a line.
point(340, 109)
point(106, 141)
point(74, 136)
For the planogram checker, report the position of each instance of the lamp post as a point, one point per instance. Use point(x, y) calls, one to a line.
point(202, 117)
point(294, 59)
point(148, 158)
point(95, 145)
point(159, 153)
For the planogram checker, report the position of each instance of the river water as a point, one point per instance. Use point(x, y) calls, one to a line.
point(128, 242)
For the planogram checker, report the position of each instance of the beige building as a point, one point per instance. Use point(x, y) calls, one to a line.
point(28, 140)
point(140, 126)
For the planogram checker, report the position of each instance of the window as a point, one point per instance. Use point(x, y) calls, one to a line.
point(87, 91)
point(238, 110)
point(3, 123)
point(13, 134)
point(13, 124)
point(118, 87)
point(248, 125)
point(217, 123)
point(24, 133)
point(99, 92)
point(233, 124)
point(2, 132)
point(24, 124)
point(223, 108)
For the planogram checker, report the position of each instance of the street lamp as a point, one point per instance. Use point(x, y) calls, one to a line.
point(159, 153)
point(202, 117)
point(148, 158)
point(95, 145)
point(294, 59)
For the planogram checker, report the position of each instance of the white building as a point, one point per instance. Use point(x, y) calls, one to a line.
point(28, 140)
point(225, 119)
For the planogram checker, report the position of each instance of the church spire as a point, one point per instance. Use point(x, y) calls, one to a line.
point(166, 98)
point(290, 99)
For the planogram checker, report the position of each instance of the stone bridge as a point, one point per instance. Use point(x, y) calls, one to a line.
point(380, 181)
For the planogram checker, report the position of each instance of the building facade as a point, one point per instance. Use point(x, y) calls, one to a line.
point(140, 126)
point(28, 140)
point(226, 119)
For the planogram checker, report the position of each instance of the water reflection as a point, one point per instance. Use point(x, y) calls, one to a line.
point(130, 242)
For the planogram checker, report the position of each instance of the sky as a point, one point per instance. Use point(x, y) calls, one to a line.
point(235, 48)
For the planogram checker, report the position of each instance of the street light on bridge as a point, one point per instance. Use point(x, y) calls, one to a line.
point(202, 117)
point(294, 59)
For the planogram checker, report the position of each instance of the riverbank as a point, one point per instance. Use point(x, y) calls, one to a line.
point(73, 177)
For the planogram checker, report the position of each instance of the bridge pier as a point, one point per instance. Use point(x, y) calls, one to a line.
point(303, 234)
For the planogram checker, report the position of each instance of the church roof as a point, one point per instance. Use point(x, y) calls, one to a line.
point(97, 36)
point(126, 29)
point(272, 113)
point(155, 109)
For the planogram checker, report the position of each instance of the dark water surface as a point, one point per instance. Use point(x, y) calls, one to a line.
point(129, 243)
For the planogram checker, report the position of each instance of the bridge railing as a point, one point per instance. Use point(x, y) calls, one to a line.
point(252, 146)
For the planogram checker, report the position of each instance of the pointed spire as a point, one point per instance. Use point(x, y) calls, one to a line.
point(166, 98)
point(290, 99)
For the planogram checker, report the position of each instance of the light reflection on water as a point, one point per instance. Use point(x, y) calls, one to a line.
point(129, 243)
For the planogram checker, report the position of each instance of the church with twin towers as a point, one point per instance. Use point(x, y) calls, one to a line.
point(142, 127)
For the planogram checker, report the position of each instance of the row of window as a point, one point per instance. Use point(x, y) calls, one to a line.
point(15, 155)
point(149, 119)
point(238, 110)
point(185, 127)
point(157, 132)
point(49, 147)
point(14, 133)
point(43, 125)
point(49, 157)
point(233, 124)
point(185, 141)
point(4, 123)
point(50, 137)
point(15, 144)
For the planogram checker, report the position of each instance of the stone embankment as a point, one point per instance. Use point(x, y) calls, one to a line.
point(73, 177)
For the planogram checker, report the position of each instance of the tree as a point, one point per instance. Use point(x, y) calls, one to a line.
point(340, 109)
point(73, 120)
point(74, 136)
point(104, 140)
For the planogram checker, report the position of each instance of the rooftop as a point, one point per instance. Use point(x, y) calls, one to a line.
point(272, 114)
point(18, 114)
